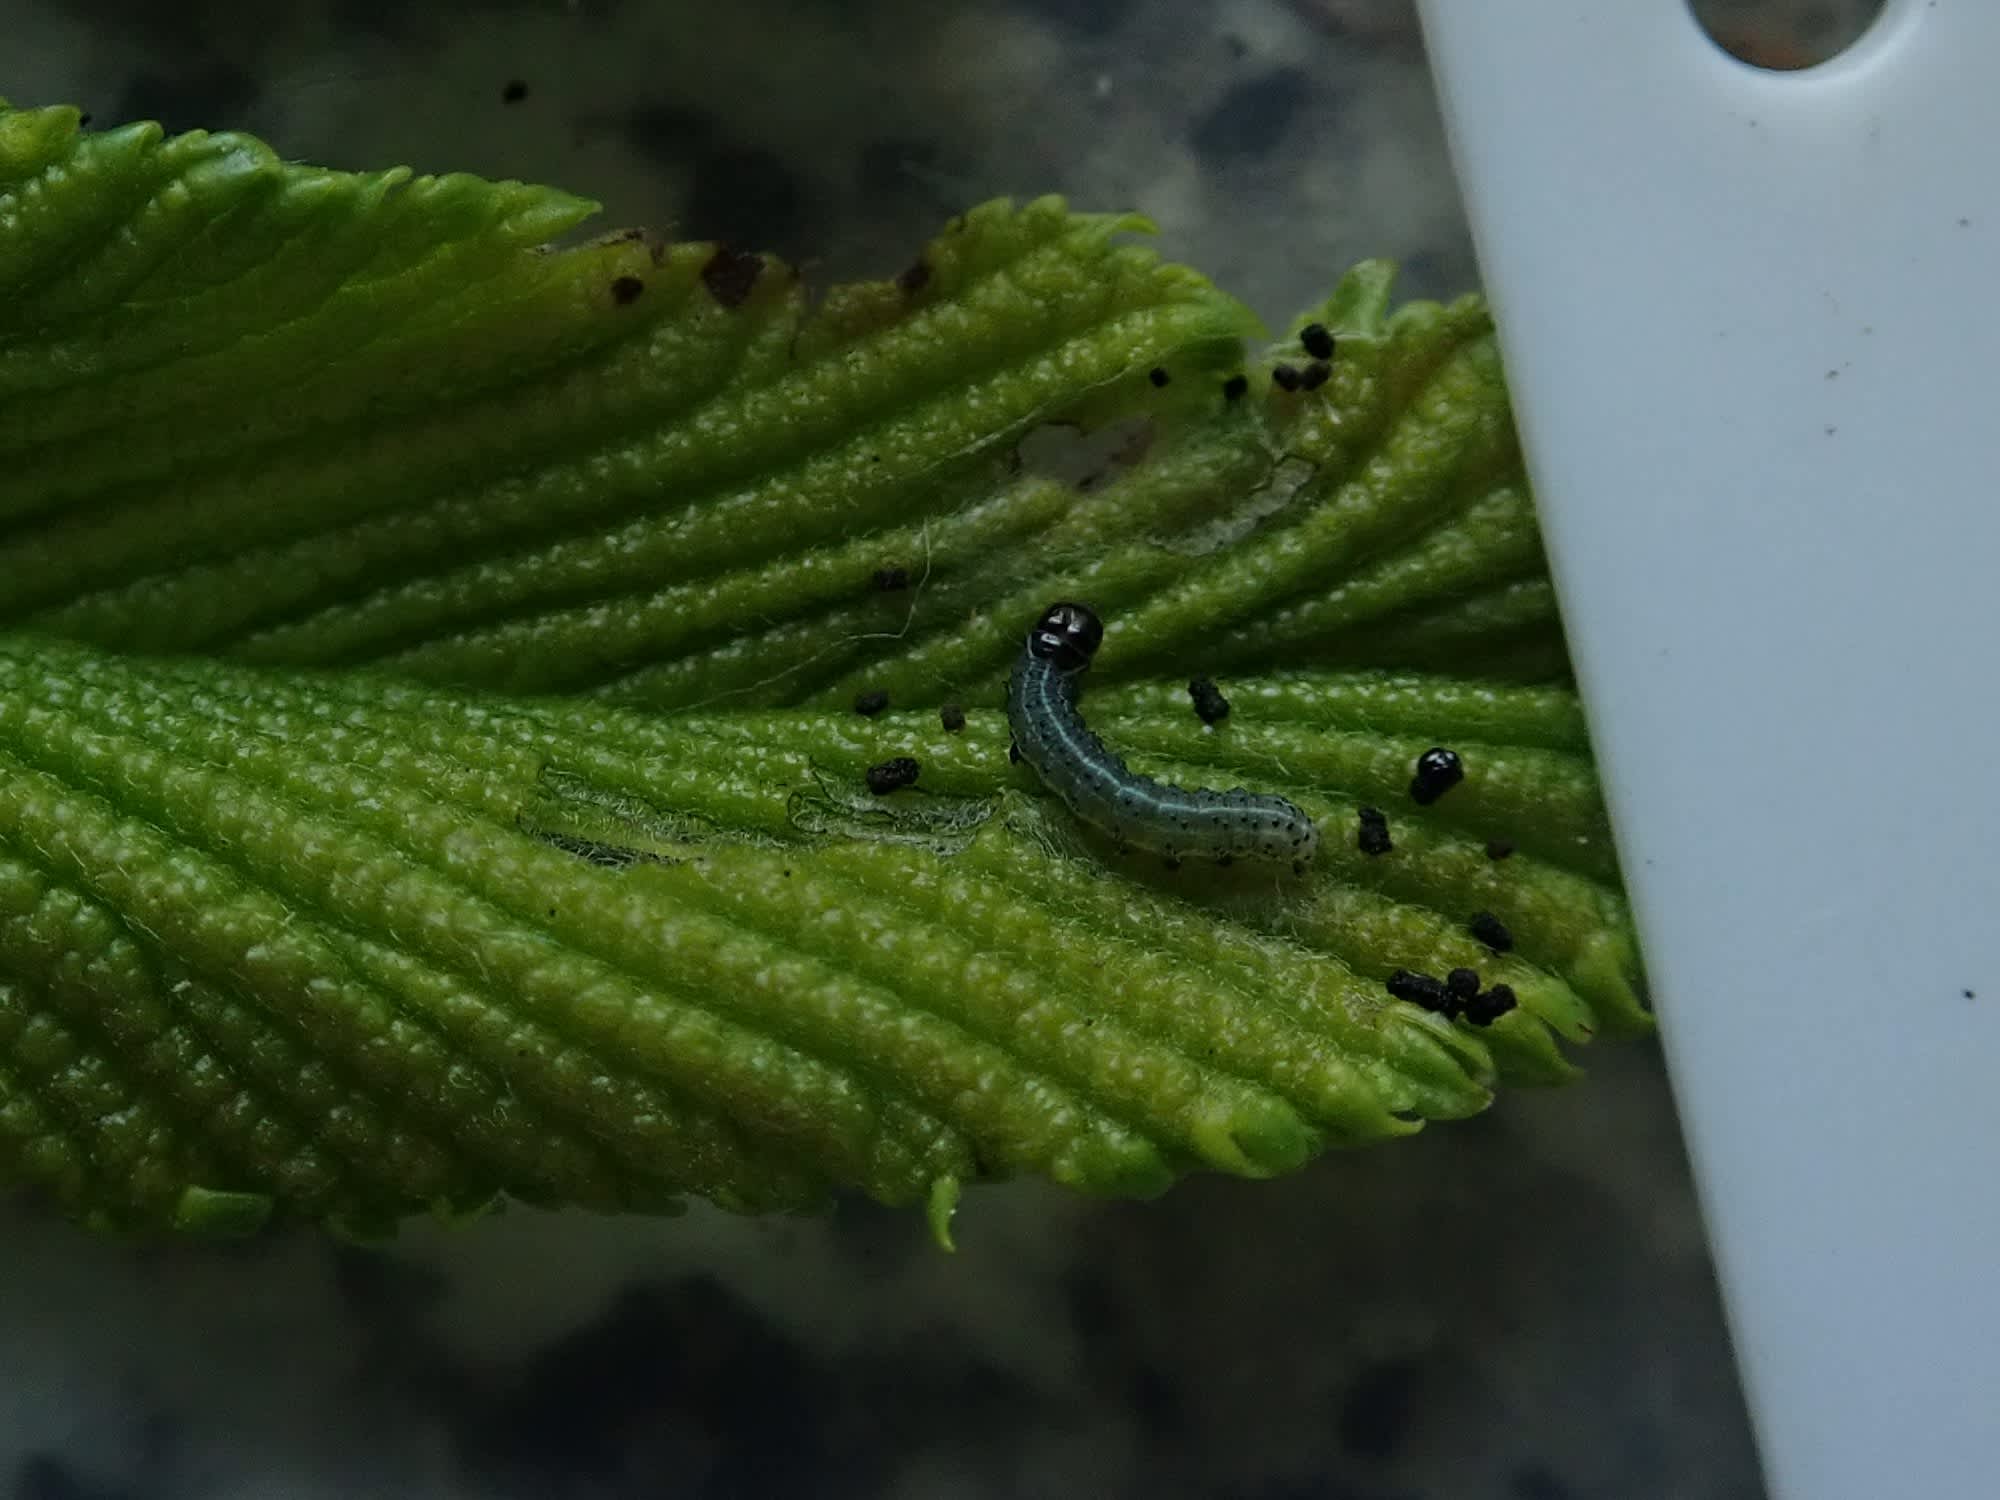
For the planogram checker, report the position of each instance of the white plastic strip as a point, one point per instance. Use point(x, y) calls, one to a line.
point(1753, 330)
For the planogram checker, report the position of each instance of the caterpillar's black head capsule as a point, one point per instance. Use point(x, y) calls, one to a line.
point(1066, 636)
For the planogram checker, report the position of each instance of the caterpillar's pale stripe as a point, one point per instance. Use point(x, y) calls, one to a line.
point(1137, 811)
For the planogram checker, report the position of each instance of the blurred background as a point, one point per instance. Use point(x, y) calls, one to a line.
point(1518, 1307)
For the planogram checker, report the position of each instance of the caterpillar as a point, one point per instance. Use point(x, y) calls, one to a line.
point(1102, 791)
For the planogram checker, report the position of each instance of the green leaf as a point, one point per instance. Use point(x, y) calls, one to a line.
point(427, 766)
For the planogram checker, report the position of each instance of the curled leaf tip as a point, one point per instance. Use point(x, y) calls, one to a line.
point(941, 1207)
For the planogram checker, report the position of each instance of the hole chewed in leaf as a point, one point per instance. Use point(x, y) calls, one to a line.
point(853, 810)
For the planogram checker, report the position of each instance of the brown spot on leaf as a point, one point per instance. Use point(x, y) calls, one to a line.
point(893, 775)
point(914, 278)
point(731, 274)
point(626, 289)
